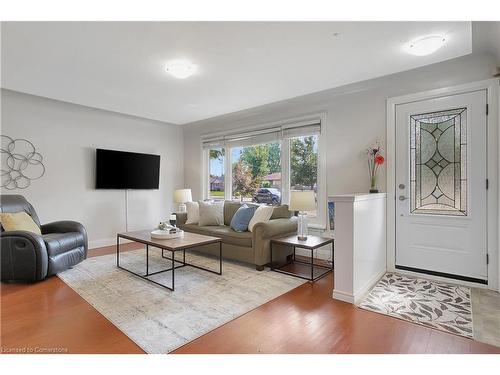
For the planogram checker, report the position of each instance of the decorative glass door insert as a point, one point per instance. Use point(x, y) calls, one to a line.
point(438, 163)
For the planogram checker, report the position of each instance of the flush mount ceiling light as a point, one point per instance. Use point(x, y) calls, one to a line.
point(425, 45)
point(181, 69)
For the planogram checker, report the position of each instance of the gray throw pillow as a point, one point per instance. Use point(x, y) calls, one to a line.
point(211, 213)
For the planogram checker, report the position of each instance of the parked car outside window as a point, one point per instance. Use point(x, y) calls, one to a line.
point(267, 195)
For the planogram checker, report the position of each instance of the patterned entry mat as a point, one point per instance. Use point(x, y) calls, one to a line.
point(433, 304)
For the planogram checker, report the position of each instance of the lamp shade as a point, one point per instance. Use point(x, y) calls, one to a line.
point(182, 196)
point(302, 200)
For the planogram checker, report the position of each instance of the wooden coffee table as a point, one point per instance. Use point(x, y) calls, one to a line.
point(174, 245)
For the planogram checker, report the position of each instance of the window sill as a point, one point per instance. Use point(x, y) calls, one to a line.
point(316, 226)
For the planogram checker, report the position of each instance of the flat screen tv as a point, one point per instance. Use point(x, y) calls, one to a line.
point(126, 170)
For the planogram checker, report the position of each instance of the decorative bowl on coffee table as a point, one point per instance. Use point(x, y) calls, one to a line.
point(166, 235)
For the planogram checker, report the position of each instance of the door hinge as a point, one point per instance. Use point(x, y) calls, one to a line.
point(487, 258)
point(487, 109)
point(487, 184)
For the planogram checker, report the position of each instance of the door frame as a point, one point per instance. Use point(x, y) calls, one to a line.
point(492, 93)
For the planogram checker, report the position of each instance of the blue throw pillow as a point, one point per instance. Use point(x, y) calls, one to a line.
point(242, 218)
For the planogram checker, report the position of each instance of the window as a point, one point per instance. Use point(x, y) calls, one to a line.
point(216, 180)
point(438, 151)
point(264, 165)
point(304, 166)
point(256, 173)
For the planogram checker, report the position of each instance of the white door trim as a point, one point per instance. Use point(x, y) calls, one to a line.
point(492, 88)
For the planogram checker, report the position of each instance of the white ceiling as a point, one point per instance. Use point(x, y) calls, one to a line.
point(119, 66)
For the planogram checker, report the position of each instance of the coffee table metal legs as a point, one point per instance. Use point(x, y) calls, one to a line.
point(172, 268)
point(184, 263)
point(312, 265)
point(148, 274)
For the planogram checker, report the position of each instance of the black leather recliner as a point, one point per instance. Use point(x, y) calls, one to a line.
point(31, 257)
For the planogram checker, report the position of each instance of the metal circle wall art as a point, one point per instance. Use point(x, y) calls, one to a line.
point(20, 163)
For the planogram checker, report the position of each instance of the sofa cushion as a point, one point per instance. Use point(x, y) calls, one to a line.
point(281, 212)
point(193, 212)
point(242, 217)
point(58, 243)
point(211, 213)
point(227, 235)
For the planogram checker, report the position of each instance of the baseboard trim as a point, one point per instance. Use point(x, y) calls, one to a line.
point(341, 296)
point(361, 293)
point(105, 242)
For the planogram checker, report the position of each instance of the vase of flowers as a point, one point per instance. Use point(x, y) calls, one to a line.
point(375, 160)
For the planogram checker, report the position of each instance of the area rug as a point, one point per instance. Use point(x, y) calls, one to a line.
point(159, 320)
point(433, 304)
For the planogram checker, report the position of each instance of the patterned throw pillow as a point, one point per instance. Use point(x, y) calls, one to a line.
point(193, 212)
point(211, 213)
point(242, 217)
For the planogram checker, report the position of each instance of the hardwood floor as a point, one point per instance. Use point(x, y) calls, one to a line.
point(50, 314)
point(308, 320)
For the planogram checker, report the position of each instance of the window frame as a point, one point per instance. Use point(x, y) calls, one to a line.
point(206, 173)
point(256, 144)
point(318, 222)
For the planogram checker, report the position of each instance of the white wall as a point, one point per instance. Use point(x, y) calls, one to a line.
point(360, 238)
point(356, 116)
point(67, 135)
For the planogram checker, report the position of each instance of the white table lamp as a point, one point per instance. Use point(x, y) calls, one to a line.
point(302, 201)
point(182, 196)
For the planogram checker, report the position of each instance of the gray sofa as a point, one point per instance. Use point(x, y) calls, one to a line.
point(26, 256)
point(250, 247)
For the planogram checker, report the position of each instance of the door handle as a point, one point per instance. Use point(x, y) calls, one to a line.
point(402, 198)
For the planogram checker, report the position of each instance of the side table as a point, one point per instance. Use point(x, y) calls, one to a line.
point(317, 271)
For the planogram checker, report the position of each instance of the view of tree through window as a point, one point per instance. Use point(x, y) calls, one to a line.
point(257, 173)
point(304, 165)
point(216, 173)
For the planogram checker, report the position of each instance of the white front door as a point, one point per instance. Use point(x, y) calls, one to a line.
point(441, 198)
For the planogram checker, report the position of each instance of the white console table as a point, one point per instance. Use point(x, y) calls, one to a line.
point(360, 244)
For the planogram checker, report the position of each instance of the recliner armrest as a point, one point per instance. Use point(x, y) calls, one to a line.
point(66, 226)
point(23, 256)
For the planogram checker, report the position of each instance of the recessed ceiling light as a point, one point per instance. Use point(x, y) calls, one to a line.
point(425, 45)
point(181, 69)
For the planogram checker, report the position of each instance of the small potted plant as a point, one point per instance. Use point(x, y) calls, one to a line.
point(375, 160)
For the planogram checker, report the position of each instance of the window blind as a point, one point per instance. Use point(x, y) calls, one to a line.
point(212, 143)
point(301, 131)
point(268, 135)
